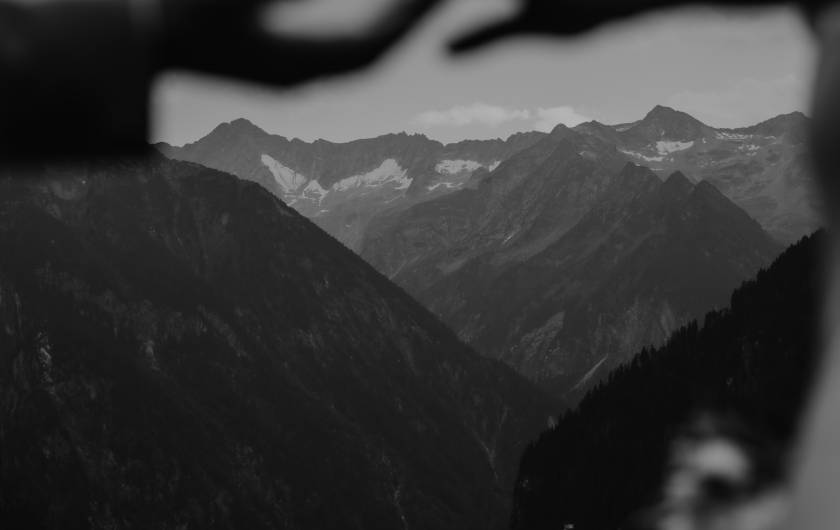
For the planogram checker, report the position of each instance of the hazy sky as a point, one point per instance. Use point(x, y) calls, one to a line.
point(727, 68)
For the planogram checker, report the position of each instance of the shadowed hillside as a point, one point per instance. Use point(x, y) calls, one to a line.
point(180, 349)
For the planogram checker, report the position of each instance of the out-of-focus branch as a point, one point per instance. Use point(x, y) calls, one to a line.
point(75, 75)
point(573, 17)
point(74, 80)
point(227, 38)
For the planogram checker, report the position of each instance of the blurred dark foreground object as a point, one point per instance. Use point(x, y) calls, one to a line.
point(573, 17)
point(75, 74)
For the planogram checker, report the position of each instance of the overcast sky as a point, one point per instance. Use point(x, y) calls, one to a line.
point(727, 68)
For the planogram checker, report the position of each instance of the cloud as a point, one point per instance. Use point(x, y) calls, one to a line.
point(548, 119)
point(477, 113)
point(494, 116)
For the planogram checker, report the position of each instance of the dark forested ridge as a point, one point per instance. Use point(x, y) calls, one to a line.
point(179, 349)
point(605, 461)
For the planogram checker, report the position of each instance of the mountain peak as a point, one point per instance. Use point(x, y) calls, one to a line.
point(710, 199)
point(665, 123)
point(661, 113)
point(678, 183)
point(589, 124)
point(223, 134)
point(661, 110)
point(678, 176)
point(794, 124)
point(560, 129)
point(243, 126)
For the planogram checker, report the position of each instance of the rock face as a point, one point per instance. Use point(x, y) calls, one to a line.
point(180, 349)
point(342, 186)
point(567, 258)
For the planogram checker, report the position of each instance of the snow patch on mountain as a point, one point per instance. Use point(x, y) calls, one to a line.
point(666, 148)
point(494, 165)
point(641, 156)
point(287, 178)
point(721, 135)
point(590, 374)
point(313, 190)
point(388, 172)
point(447, 185)
point(453, 167)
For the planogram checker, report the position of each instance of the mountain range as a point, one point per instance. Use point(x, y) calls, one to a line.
point(762, 168)
point(180, 349)
point(560, 253)
point(627, 260)
point(341, 187)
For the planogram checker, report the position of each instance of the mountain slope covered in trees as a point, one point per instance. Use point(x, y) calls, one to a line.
point(179, 349)
point(605, 461)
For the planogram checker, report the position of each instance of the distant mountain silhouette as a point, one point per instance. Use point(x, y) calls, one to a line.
point(181, 349)
point(604, 464)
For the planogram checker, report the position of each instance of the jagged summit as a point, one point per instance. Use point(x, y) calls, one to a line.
point(678, 185)
point(679, 178)
point(675, 124)
point(793, 124)
point(661, 110)
point(746, 164)
point(560, 129)
point(593, 126)
point(661, 113)
point(665, 123)
point(243, 126)
point(227, 133)
point(590, 125)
